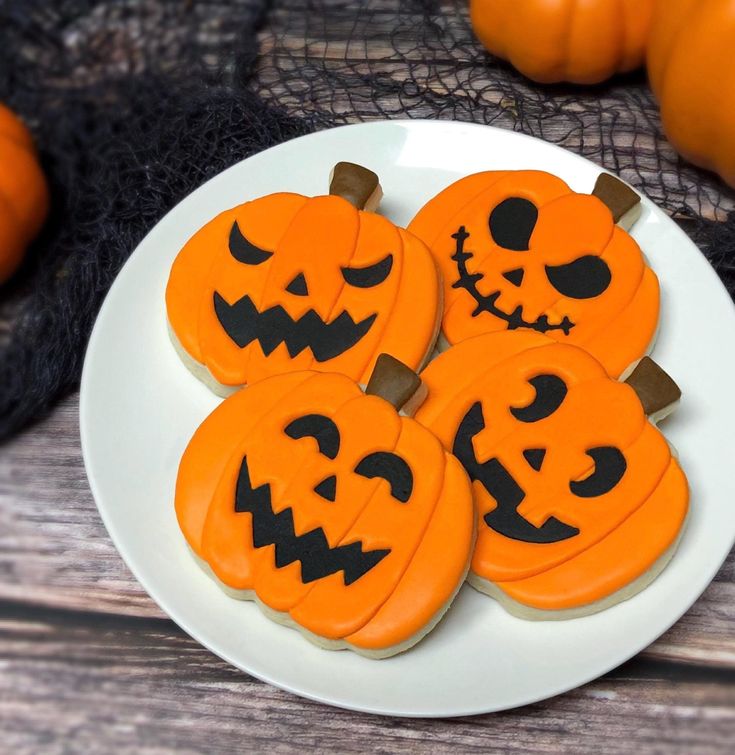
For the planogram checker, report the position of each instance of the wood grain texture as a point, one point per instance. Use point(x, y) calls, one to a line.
point(55, 552)
point(140, 685)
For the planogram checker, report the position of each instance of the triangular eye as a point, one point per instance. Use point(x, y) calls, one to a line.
point(367, 277)
point(512, 223)
point(243, 250)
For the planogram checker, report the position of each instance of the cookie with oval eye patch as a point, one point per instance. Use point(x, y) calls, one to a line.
point(580, 499)
point(519, 250)
point(338, 514)
point(287, 282)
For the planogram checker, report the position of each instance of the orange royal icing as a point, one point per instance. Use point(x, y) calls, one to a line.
point(370, 559)
point(560, 524)
point(549, 260)
point(292, 304)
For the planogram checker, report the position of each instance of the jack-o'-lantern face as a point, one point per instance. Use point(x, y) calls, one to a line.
point(562, 460)
point(323, 501)
point(520, 250)
point(288, 283)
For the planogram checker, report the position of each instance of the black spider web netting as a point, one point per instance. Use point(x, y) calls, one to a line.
point(134, 103)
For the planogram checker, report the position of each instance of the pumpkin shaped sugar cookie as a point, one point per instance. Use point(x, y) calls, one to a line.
point(580, 500)
point(519, 250)
point(23, 192)
point(288, 282)
point(340, 516)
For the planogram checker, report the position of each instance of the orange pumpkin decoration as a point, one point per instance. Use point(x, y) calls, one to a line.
point(690, 67)
point(342, 517)
point(564, 40)
point(287, 282)
point(23, 192)
point(580, 501)
point(519, 250)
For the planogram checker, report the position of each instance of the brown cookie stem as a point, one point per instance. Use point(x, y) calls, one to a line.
point(623, 202)
point(358, 185)
point(399, 385)
point(655, 388)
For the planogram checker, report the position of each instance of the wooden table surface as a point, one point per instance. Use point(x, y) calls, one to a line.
point(89, 663)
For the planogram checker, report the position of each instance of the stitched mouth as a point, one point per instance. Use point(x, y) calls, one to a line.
point(311, 549)
point(502, 486)
point(244, 324)
point(468, 281)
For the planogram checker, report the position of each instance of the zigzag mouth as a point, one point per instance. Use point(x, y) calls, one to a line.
point(515, 319)
point(244, 324)
point(311, 549)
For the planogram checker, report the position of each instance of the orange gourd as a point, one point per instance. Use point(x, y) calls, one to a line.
point(691, 72)
point(341, 516)
point(287, 282)
point(519, 250)
point(23, 192)
point(565, 40)
point(578, 494)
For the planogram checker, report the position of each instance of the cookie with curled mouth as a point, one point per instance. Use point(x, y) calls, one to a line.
point(580, 499)
point(519, 250)
point(287, 282)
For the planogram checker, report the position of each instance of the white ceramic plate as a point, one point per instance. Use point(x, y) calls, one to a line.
point(140, 405)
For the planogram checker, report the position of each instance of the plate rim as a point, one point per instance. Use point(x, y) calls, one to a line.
point(161, 600)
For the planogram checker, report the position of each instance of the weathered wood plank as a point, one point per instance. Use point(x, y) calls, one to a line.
point(121, 685)
point(55, 552)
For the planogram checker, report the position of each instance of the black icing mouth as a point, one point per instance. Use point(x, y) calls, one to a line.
point(311, 549)
point(244, 324)
point(468, 281)
point(501, 485)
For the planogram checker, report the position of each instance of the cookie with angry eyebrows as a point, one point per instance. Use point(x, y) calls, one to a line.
point(341, 516)
point(580, 499)
point(519, 250)
point(288, 282)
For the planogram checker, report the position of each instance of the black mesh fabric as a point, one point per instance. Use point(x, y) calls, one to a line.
point(134, 103)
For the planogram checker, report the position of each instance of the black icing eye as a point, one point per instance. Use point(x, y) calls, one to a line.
point(243, 250)
point(391, 468)
point(584, 278)
point(367, 277)
point(550, 392)
point(610, 466)
point(319, 427)
point(512, 223)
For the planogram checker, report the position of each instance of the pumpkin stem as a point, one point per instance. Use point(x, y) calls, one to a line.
point(358, 185)
point(656, 389)
point(622, 201)
point(399, 385)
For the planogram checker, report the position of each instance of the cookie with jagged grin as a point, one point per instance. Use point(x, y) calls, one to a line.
point(519, 250)
point(288, 282)
point(340, 516)
point(580, 499)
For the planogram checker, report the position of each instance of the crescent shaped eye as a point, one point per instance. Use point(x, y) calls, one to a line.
point(584, 278)
point(550, 392)
point(243, 250)
point(512, 223)
point(319, 427)
point(367, 277)
point(610, 466)
point(391, 468)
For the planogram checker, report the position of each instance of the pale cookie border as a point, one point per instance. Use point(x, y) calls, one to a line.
point(523, 611)
point(285, 619)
